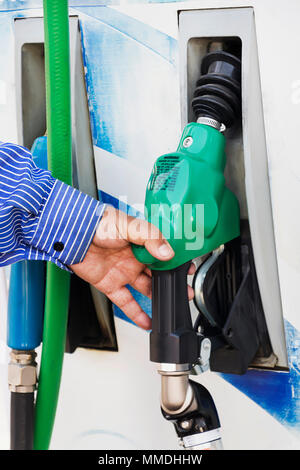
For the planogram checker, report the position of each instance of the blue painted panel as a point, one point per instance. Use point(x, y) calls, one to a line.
point(118, 204)
point(121, 57)
point(277, 392)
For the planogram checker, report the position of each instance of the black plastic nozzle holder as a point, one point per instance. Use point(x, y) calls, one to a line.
point(173, 339)
point(231, 294)
point(203, 418)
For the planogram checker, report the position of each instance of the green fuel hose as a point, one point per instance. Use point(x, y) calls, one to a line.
point(57, 67)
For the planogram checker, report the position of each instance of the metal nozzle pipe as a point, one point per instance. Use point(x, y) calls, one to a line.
point(176, 393)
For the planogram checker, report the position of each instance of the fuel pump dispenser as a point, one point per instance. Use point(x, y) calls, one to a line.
point(188, 200)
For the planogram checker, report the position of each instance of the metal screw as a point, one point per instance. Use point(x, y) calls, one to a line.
point(199, 428)
point(187, 142)
point(206, 344)
point(186, 424)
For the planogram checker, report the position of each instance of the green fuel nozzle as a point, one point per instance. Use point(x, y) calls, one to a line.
point(186, 196)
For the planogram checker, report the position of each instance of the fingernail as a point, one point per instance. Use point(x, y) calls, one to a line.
point(165, 250)
point(144, 321)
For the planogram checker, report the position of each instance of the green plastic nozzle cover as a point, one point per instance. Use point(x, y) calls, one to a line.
point(186, 198)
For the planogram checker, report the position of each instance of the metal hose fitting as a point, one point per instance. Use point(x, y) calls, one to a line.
point(176, 393)
point(22, 371)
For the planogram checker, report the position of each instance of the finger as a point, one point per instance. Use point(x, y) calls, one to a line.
point(143, 284)
point(140, 232)
point(125, 301)
point(190, 292)
point(117, 277)
point(192, 269)
point(160, 249)
point(148, 272)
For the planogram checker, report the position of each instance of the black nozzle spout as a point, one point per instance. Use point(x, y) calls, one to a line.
point(173, 339)
point(218, 90)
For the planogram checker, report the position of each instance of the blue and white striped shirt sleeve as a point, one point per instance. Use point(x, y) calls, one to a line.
point(42, 218)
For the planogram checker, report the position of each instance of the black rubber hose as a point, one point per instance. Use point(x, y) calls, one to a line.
point(218, 90)
point(21, 420)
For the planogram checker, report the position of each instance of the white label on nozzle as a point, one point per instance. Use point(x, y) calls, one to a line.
point(201, 438)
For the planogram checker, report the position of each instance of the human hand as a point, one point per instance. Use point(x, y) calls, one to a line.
point(110, 264)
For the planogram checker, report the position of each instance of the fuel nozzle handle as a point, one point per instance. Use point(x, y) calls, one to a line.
point(172, 339)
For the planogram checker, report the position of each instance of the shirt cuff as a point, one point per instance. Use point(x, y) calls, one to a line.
point(67, 224)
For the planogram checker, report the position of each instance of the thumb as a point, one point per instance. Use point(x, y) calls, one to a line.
point(143, 233)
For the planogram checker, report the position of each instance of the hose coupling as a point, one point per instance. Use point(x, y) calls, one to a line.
point(211, 122)
point(191, 409)
point(22, 371)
